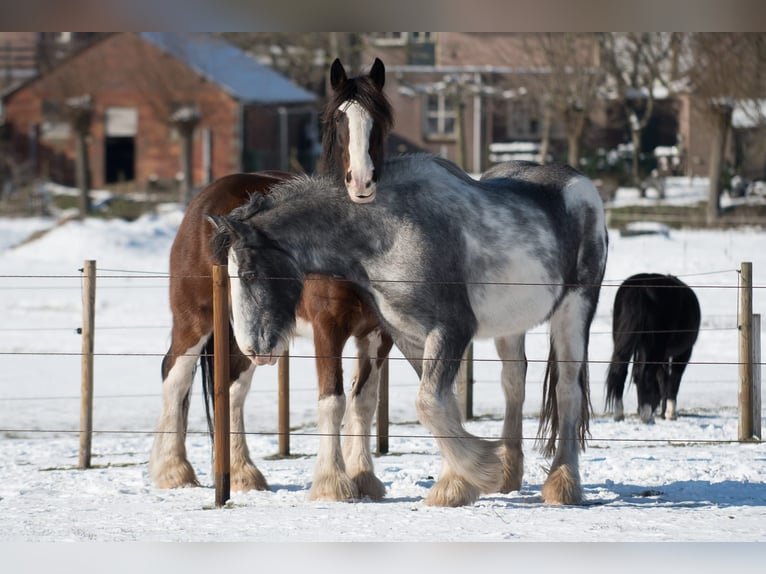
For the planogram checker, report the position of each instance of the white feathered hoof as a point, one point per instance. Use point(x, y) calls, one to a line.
point(513, 471)
point(369, 485)
point(247, 477)
point(335, 487)
point(562, 487)
point(452, 491)
point(177, 473)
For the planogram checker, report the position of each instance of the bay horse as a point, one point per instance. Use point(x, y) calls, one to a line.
point(443, 258)
point(333, 309)
point(655, 324)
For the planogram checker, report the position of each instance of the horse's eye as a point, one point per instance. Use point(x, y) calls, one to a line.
point(248, 276)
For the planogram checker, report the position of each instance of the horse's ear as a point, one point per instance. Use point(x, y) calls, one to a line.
point(221, 239)
point(217, 221)
point(378, 73)
point(337, 74)
point(228, 225)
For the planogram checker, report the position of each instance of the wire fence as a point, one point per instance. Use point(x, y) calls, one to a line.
point(711, 323)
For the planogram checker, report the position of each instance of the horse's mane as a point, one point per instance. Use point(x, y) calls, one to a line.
point(363, 90)
point(300, 184)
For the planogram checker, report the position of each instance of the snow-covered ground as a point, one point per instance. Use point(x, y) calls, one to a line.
point(683, 480)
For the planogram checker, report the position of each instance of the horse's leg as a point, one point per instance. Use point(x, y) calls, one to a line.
point(513, 376)
point(372, 350)
point(616, 375)
point(168, 465)
point(677, 368)
point(647, 370)
point(330, 479)
point(470, 466)
point(569, 382)
point(244, 474)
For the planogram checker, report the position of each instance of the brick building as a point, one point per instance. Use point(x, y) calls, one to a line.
point(495, 75)
point(249, 117)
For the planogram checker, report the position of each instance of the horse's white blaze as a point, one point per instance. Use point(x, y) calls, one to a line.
point(360, 163)
point(168, 448)
point(242, 316)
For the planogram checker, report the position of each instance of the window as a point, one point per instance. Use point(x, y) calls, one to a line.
point(401, 38)
point(440, 117)
point(54, 124)
point(420, 37)
point(389, 38)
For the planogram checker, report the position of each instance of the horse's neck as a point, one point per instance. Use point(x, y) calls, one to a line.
point(318, 238)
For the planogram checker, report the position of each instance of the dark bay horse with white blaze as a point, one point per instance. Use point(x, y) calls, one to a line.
point(655, 324)
point(334, 310)
point(444, 259)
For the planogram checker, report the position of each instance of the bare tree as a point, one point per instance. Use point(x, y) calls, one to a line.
point(637, 63)
point(79, 111)
point(68, 98)
point(567, 85)
point(726, 70)
point(302, 57)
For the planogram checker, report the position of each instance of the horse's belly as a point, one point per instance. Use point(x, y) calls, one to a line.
point(510, 309)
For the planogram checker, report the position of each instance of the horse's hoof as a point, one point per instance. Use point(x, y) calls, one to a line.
point(248, 478)
point(562, 487)
point(369, 485)
point(337, 487)
point(452, 491)
point(513, 471)
point(176, 475)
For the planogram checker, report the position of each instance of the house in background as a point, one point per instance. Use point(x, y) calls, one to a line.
point(457, 93)
point(245, 116)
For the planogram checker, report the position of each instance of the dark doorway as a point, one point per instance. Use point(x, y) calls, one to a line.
point(120, 159)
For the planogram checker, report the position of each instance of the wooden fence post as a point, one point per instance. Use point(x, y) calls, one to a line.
point(221, 359)
point(745, 427)
point(757, 376)
point(382, 424)
point(86, 383)
point(284, 403)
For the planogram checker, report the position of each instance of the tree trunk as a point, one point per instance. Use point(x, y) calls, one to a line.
point(187, 140)
point(575, 126)
point(635, 138)
point(573, 153)
point(83, 173)
point(545, 142)
point(721, 124)
point(461, 143)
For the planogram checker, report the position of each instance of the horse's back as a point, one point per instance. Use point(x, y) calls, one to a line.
point(665, 301)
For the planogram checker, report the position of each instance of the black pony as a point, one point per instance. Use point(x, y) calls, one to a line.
point(656, 321)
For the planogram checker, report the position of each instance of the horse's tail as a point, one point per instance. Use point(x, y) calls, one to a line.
point(206, 364)
point(549, 416)
point(629, 325)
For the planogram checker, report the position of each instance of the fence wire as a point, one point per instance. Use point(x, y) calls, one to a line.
point(122, 274)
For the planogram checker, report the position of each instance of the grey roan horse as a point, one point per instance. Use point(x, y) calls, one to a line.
point(443, 258)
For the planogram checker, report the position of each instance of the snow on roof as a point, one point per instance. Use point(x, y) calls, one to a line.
point(231, 68)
